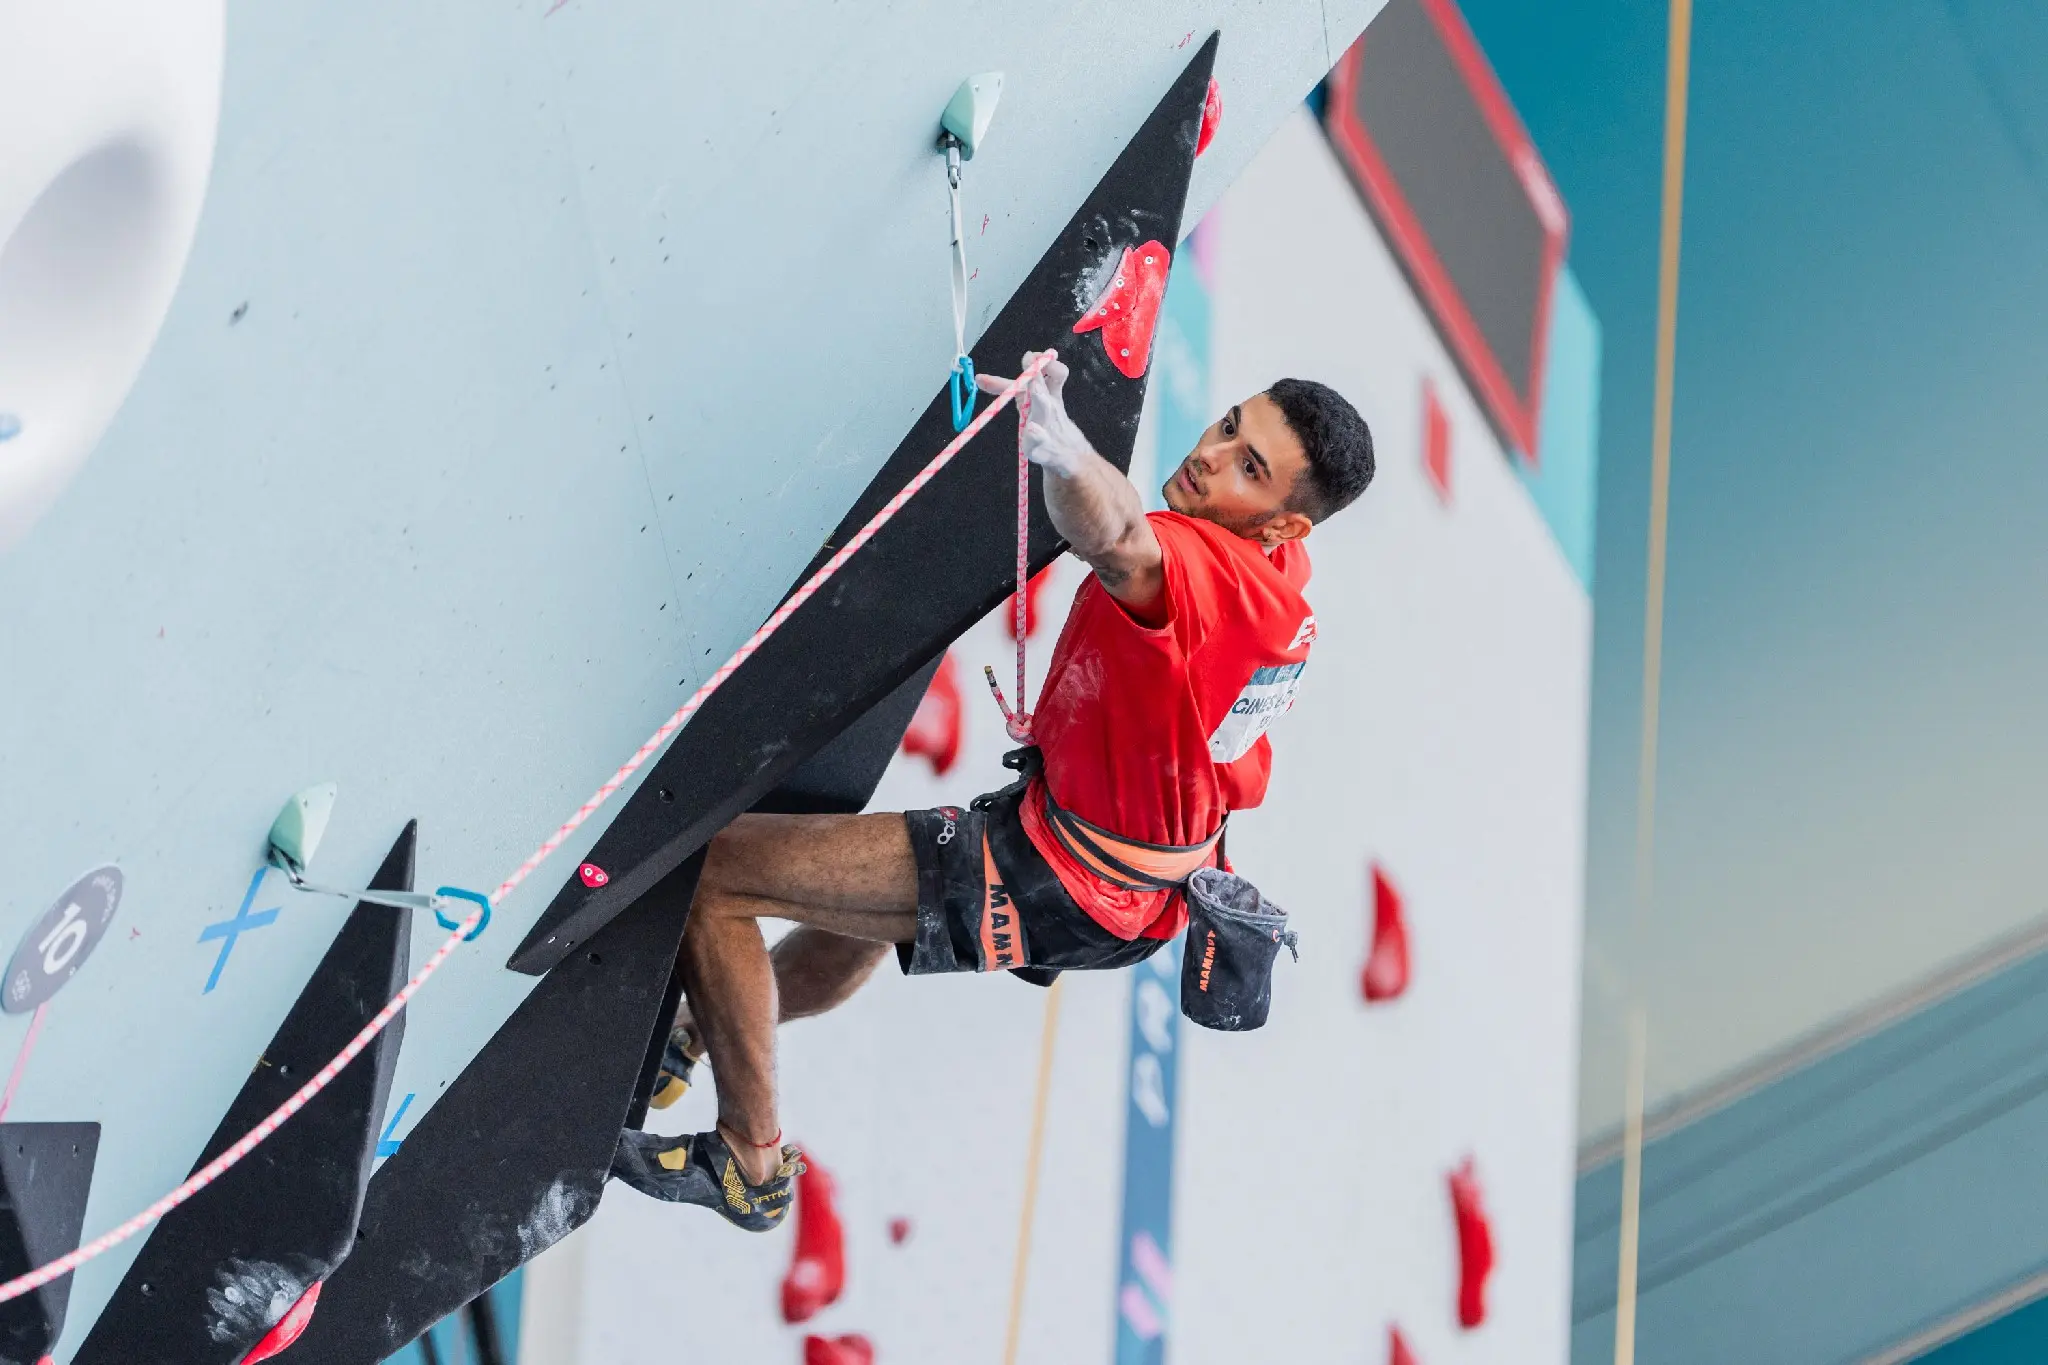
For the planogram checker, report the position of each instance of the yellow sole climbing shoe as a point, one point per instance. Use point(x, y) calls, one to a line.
point(702, 1170)
point(677, 1065)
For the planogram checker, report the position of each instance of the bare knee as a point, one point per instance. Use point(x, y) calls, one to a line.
point(739, 846)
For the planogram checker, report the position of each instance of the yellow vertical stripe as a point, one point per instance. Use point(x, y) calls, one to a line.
point(1676, 79)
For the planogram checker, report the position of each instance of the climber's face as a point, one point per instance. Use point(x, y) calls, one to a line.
point(1241, 475)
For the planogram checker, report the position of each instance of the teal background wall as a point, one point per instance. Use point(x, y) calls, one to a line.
point(1882, 1193)
point(1852, 760)
point(2019, 1339)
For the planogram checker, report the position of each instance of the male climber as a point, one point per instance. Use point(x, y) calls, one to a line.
point(1181, 649)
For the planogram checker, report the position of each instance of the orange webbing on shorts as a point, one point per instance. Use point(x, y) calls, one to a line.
point(1002, 931)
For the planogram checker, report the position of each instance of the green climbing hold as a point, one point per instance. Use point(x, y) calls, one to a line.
point(295, 834)
point(968, 113)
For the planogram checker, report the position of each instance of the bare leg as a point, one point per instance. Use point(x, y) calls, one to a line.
point(815, 971)
point(852, 877)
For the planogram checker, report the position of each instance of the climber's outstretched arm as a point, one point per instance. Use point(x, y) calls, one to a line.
point(1091, 503)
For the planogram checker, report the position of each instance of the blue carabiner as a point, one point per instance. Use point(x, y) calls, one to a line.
point(460, 894)
point(960, 386)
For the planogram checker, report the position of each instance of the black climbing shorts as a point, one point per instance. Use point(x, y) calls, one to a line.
point(988, 902)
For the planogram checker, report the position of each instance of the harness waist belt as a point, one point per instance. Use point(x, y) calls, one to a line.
point(1129, 863)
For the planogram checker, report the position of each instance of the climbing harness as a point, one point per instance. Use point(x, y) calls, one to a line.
point(1018, 722)
point(1129, 863)
point(468, 927)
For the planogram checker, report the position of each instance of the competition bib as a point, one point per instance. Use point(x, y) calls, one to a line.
point(1265, 698)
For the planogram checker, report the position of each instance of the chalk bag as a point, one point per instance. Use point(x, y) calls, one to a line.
point(1234, 937)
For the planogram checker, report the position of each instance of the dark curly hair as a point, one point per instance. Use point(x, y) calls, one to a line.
point(1338, 443)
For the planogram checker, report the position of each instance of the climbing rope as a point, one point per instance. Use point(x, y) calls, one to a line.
point(1677, 78)
point(1018, 722)
point(248, 1142)
point(1034, 1162)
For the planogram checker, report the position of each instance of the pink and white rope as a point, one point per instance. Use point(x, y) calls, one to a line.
point(1017, 723)
point(248, 1142)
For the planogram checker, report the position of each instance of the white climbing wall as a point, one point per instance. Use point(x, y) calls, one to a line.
point(1441, 732)
point(521, 357)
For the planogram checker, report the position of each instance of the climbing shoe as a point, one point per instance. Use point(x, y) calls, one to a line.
point(674, 1079)
point(702, 1170)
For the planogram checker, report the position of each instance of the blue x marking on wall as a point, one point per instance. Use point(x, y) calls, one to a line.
point(228, 930)
point(386, 1144)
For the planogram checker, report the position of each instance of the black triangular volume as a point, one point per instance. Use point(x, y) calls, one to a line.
point(222, 1268)
point(514, 1155)
point(946, 560)
point(45, 1176)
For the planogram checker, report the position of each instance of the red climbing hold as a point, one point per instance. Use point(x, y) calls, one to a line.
point(1212, 114)
point(1436, 442)
point(288, 1329)
point(851, 1349)
point(934, 730)
point(1397, 1348)
point(1386, 967)
point(1129, 309)
point(899, 1231)
point(818, 1274)
point(1033, 586)
point(593, 875)
point(1475, 1244)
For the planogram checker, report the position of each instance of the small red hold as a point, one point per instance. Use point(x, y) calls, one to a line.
point(1033, 586)
point(851, 1349)
point(899, 1231)
point(1212, 114)
point(593, 875)
point(934, 730)
point(1397, 1348)
point(817, 1276)
point(1475, 1244)
point(1129, 309)
point(1386, 967)
point(289, 1327)
point(1436, 442)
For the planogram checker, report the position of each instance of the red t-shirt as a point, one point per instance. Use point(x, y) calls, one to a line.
point(1156, 733)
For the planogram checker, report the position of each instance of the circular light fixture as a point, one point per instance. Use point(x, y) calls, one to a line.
point(113, 107)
